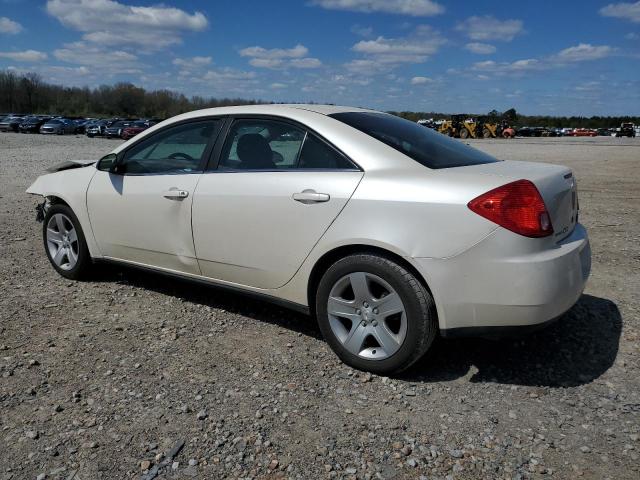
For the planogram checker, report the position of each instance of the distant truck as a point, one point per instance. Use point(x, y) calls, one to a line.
point(626, 130)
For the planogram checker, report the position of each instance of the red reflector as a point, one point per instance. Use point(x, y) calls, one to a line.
point(516, 206)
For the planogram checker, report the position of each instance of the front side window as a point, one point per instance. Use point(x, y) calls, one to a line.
point(264, 144)
point(425, 146)
point(177, 149)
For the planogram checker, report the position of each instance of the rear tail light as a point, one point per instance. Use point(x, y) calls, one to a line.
point(516, 206)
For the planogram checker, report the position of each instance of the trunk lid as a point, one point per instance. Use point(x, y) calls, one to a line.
point(555, 183)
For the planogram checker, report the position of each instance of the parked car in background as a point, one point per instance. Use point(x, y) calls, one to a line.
point(626, 130)
point(135, 128)
point(32, 124)
point(389, 233)
point(525, 132)
point(58, 126)
point(80, 125)
point(10, 124)
point(584, 132)
point(116, 128)
point(96, 128)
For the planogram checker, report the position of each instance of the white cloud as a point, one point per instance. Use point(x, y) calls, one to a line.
point(228, 74)
point(278, 86)
point(632, 36)
point(580, 53)
point(9, 26)
point(490, 28)
point(480, 48)
point(108, 22)
point(420, 80)
point(584, 52)
point(415, 8)
point(260, 52)
point(385, 53)
point(362, 31)
point(25, 56)
point(192, 62)
point(280, 58)
point(625, 11)
point(105, 60)
point(308, 62)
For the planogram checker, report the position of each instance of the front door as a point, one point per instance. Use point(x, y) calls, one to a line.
point(142, 213)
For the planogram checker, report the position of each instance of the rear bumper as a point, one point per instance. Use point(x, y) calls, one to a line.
point(487, 290)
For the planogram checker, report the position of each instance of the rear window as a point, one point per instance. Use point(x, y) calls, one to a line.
point(424, 145)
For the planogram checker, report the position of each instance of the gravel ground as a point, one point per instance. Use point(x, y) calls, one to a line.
point(101, 379)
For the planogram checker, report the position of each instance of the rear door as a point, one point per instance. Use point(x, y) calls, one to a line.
point(259, 212)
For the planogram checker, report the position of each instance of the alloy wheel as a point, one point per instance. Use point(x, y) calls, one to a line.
point(62, 241)
point(367, 316)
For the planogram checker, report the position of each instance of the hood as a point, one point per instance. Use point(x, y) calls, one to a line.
point(69, 164)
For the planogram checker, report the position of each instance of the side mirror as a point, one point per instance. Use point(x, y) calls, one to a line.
point(107, 163)
point(118, 168)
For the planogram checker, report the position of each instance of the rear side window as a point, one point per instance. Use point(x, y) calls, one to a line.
point(317, 154)
point(424, 145)
point(265, 144)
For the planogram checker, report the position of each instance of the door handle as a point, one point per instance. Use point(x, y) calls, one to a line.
point(175, 194)
point(310, 196)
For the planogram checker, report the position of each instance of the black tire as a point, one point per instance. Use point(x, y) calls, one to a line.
point(419, 307)
point(464, 133)
point(83, 264)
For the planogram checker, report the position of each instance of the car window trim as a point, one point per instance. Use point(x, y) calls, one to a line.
point(205, 154)
point(214, 163)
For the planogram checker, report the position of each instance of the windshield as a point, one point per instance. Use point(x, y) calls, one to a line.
point(55, 122)
point(138, 124)
point(425, 146)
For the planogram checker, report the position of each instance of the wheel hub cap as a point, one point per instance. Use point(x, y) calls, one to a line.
point(367, 316)
point(62, 241)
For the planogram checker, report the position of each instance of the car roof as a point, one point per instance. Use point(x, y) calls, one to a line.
point(276, 109)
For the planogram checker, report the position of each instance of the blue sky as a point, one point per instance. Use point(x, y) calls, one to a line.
point(579, 57)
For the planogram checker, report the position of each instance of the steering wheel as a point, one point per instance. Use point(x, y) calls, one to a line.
point(180, 155)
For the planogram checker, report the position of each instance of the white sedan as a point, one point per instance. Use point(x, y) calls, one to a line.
point(385, 231)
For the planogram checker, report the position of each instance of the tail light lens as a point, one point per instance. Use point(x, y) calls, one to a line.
point(516, 206)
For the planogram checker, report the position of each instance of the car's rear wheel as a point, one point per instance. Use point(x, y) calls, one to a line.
point(64, 243)
point(375, 314)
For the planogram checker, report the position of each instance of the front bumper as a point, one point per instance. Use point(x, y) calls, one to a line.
point(490, 287)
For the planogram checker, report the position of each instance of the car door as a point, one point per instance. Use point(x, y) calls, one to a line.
point(140, 207)
point(274, 192)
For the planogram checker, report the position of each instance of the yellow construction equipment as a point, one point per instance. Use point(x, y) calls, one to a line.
point(461, 126)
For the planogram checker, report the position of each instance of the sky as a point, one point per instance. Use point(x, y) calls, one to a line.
point(572, 57)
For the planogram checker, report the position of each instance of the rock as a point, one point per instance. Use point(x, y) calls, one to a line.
point(585, 449)
point(412, 463)
point(175, 465)
point(32, 434)
point(351, 471)
point(42, 476)
point(456, 453)
point(201, 415)
point(512, 414)
point(193, 462)
point(273, 464)
point(145, 465)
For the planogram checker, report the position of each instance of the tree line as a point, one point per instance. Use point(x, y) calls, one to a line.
point(29, 93)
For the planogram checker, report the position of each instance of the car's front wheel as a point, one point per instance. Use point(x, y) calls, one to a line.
point(375, 314)
point(64, 242)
